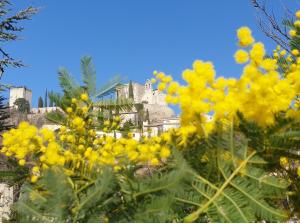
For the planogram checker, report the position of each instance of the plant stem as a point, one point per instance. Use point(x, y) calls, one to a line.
point(193, 216)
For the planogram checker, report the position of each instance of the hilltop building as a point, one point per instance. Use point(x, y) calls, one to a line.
point(151, 99)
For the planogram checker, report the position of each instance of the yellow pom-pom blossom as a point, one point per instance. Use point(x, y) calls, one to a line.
point(160, 75)
point(22, 162)
point(297, 23)
point(69, 110)
point(245, 37)
point(298, 14)
point(74, 100)
point(241, 56)
point(173, 88)
point(167, 79)
point(35, 169)
point(161, 86)
point(269, 64)
point(34, 179)
point(283, 53)
point(165, 152)
point(293, 33)
point(84, 97)
point(295, 52)
point(257, 53)
point(284, 161)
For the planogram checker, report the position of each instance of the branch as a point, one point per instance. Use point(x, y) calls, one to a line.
point(9, 30)
point(274, 31)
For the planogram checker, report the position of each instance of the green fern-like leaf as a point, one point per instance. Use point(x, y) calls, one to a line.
point(68, 83)
point(243, 190)
point(88, 75)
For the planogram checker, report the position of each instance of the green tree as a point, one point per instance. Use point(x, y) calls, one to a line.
point(51, 103)
point(9, 31)
point(127, 126)
point(4, 115)
point(130, 90)
point(22, 105)
point(20, 111)
point(140, 115)
point(40, 102)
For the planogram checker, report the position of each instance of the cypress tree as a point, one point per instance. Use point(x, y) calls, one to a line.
point(46, 99)
point(147, 116)
point(51, 104)
point(130, 90)
point(40, 102)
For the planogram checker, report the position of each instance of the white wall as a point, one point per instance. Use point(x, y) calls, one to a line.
point(138, 92)
point(44, 110)
point(128, 116)
point(28, 97)
point(14, 94)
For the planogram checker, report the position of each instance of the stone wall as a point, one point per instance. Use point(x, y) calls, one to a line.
point(6, 200)
point(138, 91)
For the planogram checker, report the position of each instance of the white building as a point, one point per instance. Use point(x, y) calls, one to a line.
point(156, 128)
point(142, 93)
point(19, 92)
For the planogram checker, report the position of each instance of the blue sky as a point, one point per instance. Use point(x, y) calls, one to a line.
point(129, 37)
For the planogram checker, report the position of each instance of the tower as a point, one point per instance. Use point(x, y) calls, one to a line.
point(148, 92)
point(148, 85)
point(19, 92)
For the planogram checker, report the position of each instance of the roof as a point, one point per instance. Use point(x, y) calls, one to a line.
point(27, 89)
point(161, 122)
point(126, 84)
point(171, 118)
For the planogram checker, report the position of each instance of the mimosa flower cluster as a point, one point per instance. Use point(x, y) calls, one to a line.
point(32, 147)
point(295, 31)
point(259, 94)
point(78, 147)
